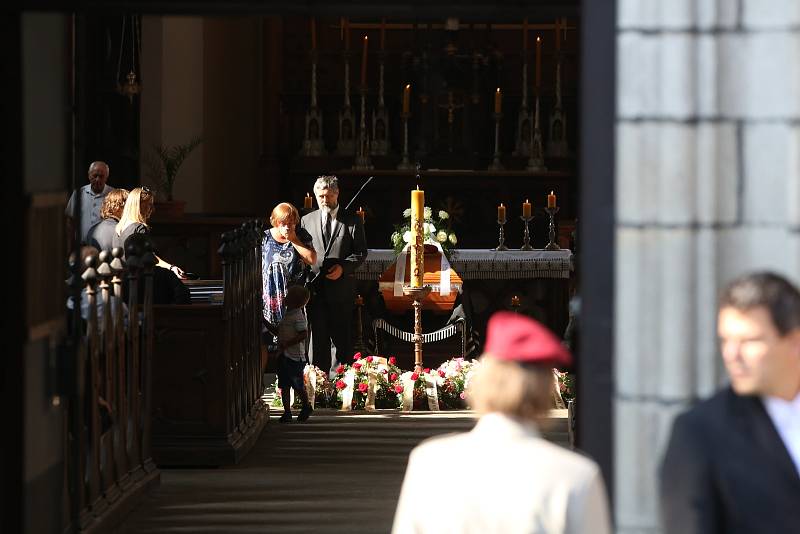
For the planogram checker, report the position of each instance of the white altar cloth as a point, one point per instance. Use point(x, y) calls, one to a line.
point(481, 264)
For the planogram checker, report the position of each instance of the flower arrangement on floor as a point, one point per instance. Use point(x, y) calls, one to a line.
point(376, 382)
point(435, 230)
point(566, 385)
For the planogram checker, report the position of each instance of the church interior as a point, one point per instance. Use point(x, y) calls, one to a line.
point(479, 106)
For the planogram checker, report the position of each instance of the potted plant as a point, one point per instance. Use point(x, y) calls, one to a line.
point(163, 166)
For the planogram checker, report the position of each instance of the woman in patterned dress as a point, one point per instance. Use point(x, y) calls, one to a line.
point(286, 250)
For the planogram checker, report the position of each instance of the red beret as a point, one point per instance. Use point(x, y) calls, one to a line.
point(514, 337)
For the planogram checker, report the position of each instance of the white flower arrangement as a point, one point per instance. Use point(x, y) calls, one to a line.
point(434, 231)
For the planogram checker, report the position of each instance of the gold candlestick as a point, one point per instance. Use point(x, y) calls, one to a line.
point(418, 294)
point(501, 245)
point(552, 245)
point(526, 237)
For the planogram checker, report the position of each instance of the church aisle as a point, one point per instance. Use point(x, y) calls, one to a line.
point(336, 473)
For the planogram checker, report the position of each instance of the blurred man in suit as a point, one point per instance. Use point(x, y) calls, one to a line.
point(338, 237)
point(732, 464)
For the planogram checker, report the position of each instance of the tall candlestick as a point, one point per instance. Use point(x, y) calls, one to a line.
point(417, 240)
point(498, 101)
point(526, 208)
point(364, 62)
point(313, 33)
point(383, 33)
point(406, 98)
point(538, 63)
point(558, 34)
point(525, 34)
point(501, 214)
point(307, 201)
point(551, 200)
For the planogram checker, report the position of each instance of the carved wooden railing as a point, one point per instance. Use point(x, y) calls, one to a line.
point(109, 465)
point(207, 407)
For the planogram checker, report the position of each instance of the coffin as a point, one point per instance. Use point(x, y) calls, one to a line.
point(434, 301)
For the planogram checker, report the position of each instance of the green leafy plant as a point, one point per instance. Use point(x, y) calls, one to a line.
point(165, 162)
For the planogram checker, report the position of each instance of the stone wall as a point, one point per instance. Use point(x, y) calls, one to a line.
point(707, 170)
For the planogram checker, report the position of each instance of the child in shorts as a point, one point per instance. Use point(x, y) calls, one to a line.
point(292, 359)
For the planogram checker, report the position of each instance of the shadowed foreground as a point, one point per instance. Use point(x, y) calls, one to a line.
point(338, 472)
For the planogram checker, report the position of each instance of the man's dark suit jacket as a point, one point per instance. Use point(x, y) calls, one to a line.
point(726, 470)
point(348, 247)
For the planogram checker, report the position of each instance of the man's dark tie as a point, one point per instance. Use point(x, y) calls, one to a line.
point(326, 233)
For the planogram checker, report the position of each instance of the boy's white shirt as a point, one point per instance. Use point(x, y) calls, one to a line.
point(293, 322)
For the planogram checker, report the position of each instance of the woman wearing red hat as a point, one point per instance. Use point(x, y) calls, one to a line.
point(516, 480)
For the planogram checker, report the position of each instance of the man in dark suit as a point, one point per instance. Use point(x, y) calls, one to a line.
point(338, 237)
point(732, 464)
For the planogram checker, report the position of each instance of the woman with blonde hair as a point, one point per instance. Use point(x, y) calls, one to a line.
point(137, 211)
point(101, 235)
point(286, 250)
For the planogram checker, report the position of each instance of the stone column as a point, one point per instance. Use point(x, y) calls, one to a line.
point(708, 187)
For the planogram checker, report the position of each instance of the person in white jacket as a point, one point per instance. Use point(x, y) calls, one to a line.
point(502, 476)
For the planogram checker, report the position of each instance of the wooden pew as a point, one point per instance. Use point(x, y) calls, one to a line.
point(108, 466)
point(207, 407)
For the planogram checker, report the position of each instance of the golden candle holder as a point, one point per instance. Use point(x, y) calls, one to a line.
point(526, 237)
point(417, 294)
point(552, 245)
point(502, 240)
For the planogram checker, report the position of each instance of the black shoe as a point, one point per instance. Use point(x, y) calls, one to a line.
point(286, 417)
point(305, 412)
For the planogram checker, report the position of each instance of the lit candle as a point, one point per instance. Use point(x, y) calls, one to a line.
point(406, 98)
point(313, 33)
point(501, 214)
point(498, 101)
point(307, 201)
point(515, 301)
point(364, 62)
point(526, 208)
point(417, 248)
point(538, 62)
point(361, 214)
point(551, 200)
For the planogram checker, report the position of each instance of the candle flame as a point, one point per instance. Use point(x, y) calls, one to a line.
point(498, 89)
point(408, 86)
point(551, 193)
point(527, 201)
point(538, 39)
point(365, 37)
point(501, 204)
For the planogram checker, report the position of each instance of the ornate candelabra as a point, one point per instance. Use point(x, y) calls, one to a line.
point(501, 245)
point(363, 160)
point(417, 294)
point(536, 160)
point(496, 165)
point(313, 144)
point(405, 163)
point(380, 118)
point(552, 245)
point(345, 145)
point(526, 237)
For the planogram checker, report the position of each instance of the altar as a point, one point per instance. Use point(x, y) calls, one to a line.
point(536, 283)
